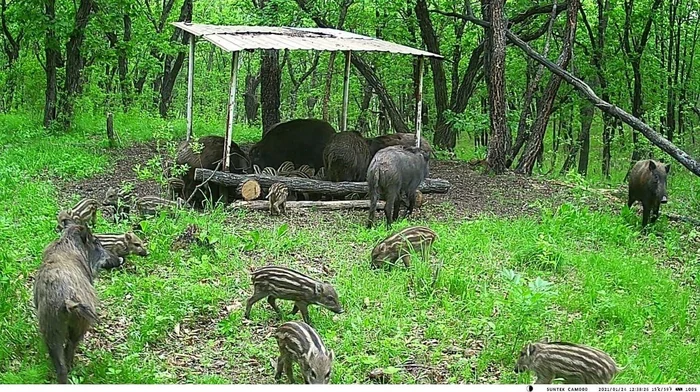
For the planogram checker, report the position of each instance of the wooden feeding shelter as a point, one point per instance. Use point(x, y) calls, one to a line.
point(235, 39)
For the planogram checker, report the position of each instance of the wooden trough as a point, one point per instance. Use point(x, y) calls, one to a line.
point(308, 185)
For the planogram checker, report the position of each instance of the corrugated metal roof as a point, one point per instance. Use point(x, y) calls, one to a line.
point(237, 38)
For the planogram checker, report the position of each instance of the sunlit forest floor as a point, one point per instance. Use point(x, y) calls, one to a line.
point(518, 259)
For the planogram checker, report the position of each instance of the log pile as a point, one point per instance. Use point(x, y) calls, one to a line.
point(309, 185)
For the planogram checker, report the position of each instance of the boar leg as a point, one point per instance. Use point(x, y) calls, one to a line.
point(406, 259)
point(280, 366)
point(544, 380)
point(411, 204)
point(389, 209)
point(75, 335)
point(257, 296)
point(655, 213)
point(302, 306)
point(397, 209)
point(646, 211)
point(58, 359)
point(272, 301)
point(372, 209)
point(289, 370)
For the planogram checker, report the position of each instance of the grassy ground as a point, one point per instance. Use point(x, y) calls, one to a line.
point(491, 284)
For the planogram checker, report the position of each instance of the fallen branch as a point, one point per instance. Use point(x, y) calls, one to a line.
point(297, 184)
point(318, 205)
point(654, 137)
point(684, 219)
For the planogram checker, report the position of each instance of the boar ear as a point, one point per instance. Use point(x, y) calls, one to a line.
point(652, 166)
point(318, 289)
point(331, 355)
point(84, 234)
point(530, 350)
point(668, 168)
point(129, 236)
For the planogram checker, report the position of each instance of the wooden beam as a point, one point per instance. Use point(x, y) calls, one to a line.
point(346, 91)
point(318, 205)
point(190, 87)
point(419, 100)
point(231, 110)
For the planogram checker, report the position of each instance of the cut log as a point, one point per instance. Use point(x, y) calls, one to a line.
point(318, 205)
point(248, 189)
point(296, 184)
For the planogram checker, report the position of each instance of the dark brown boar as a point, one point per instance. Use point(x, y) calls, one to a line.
point(394, 174)
point(65, 300)
point(346, 157)
point(400, 139)
point(209, 157)
point(647, 183)
point(299, 141)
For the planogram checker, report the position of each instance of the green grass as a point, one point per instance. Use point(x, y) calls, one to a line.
point(569, 274)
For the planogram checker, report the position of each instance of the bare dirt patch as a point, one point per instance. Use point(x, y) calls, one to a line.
point(125, 160)
point(471, 194)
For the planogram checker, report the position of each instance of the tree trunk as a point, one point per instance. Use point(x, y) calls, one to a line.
point(327, 87)
point(532, 86)
point(123, 64)
point(439, 79)
point(584, 137)
point(53, 60)
point(387, 102)
point(74, 63)
point(270, 75)
point(250, 97)
point(445, 135)
point(494, 68)
point(634, 49)
point(363, 125)
point(173, 64)
point(655, 138)
point(539, 128)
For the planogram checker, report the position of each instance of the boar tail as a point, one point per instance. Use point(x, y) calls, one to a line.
point(83, 311)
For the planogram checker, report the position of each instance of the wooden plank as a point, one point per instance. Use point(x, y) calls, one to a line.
point(318, 205)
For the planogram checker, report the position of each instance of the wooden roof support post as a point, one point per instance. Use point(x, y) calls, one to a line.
point(231, 110)
point(346, 91)
point(190, 87)
point(419, 100)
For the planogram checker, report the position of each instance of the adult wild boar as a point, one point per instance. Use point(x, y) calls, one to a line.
point(647, 183)
point(65, 300)
point(394, 173)
point(346, 157)
point(212, 150)
point(299, 141)
point(397, 139)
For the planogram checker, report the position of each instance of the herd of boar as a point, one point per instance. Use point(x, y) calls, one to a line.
point(67, 303)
